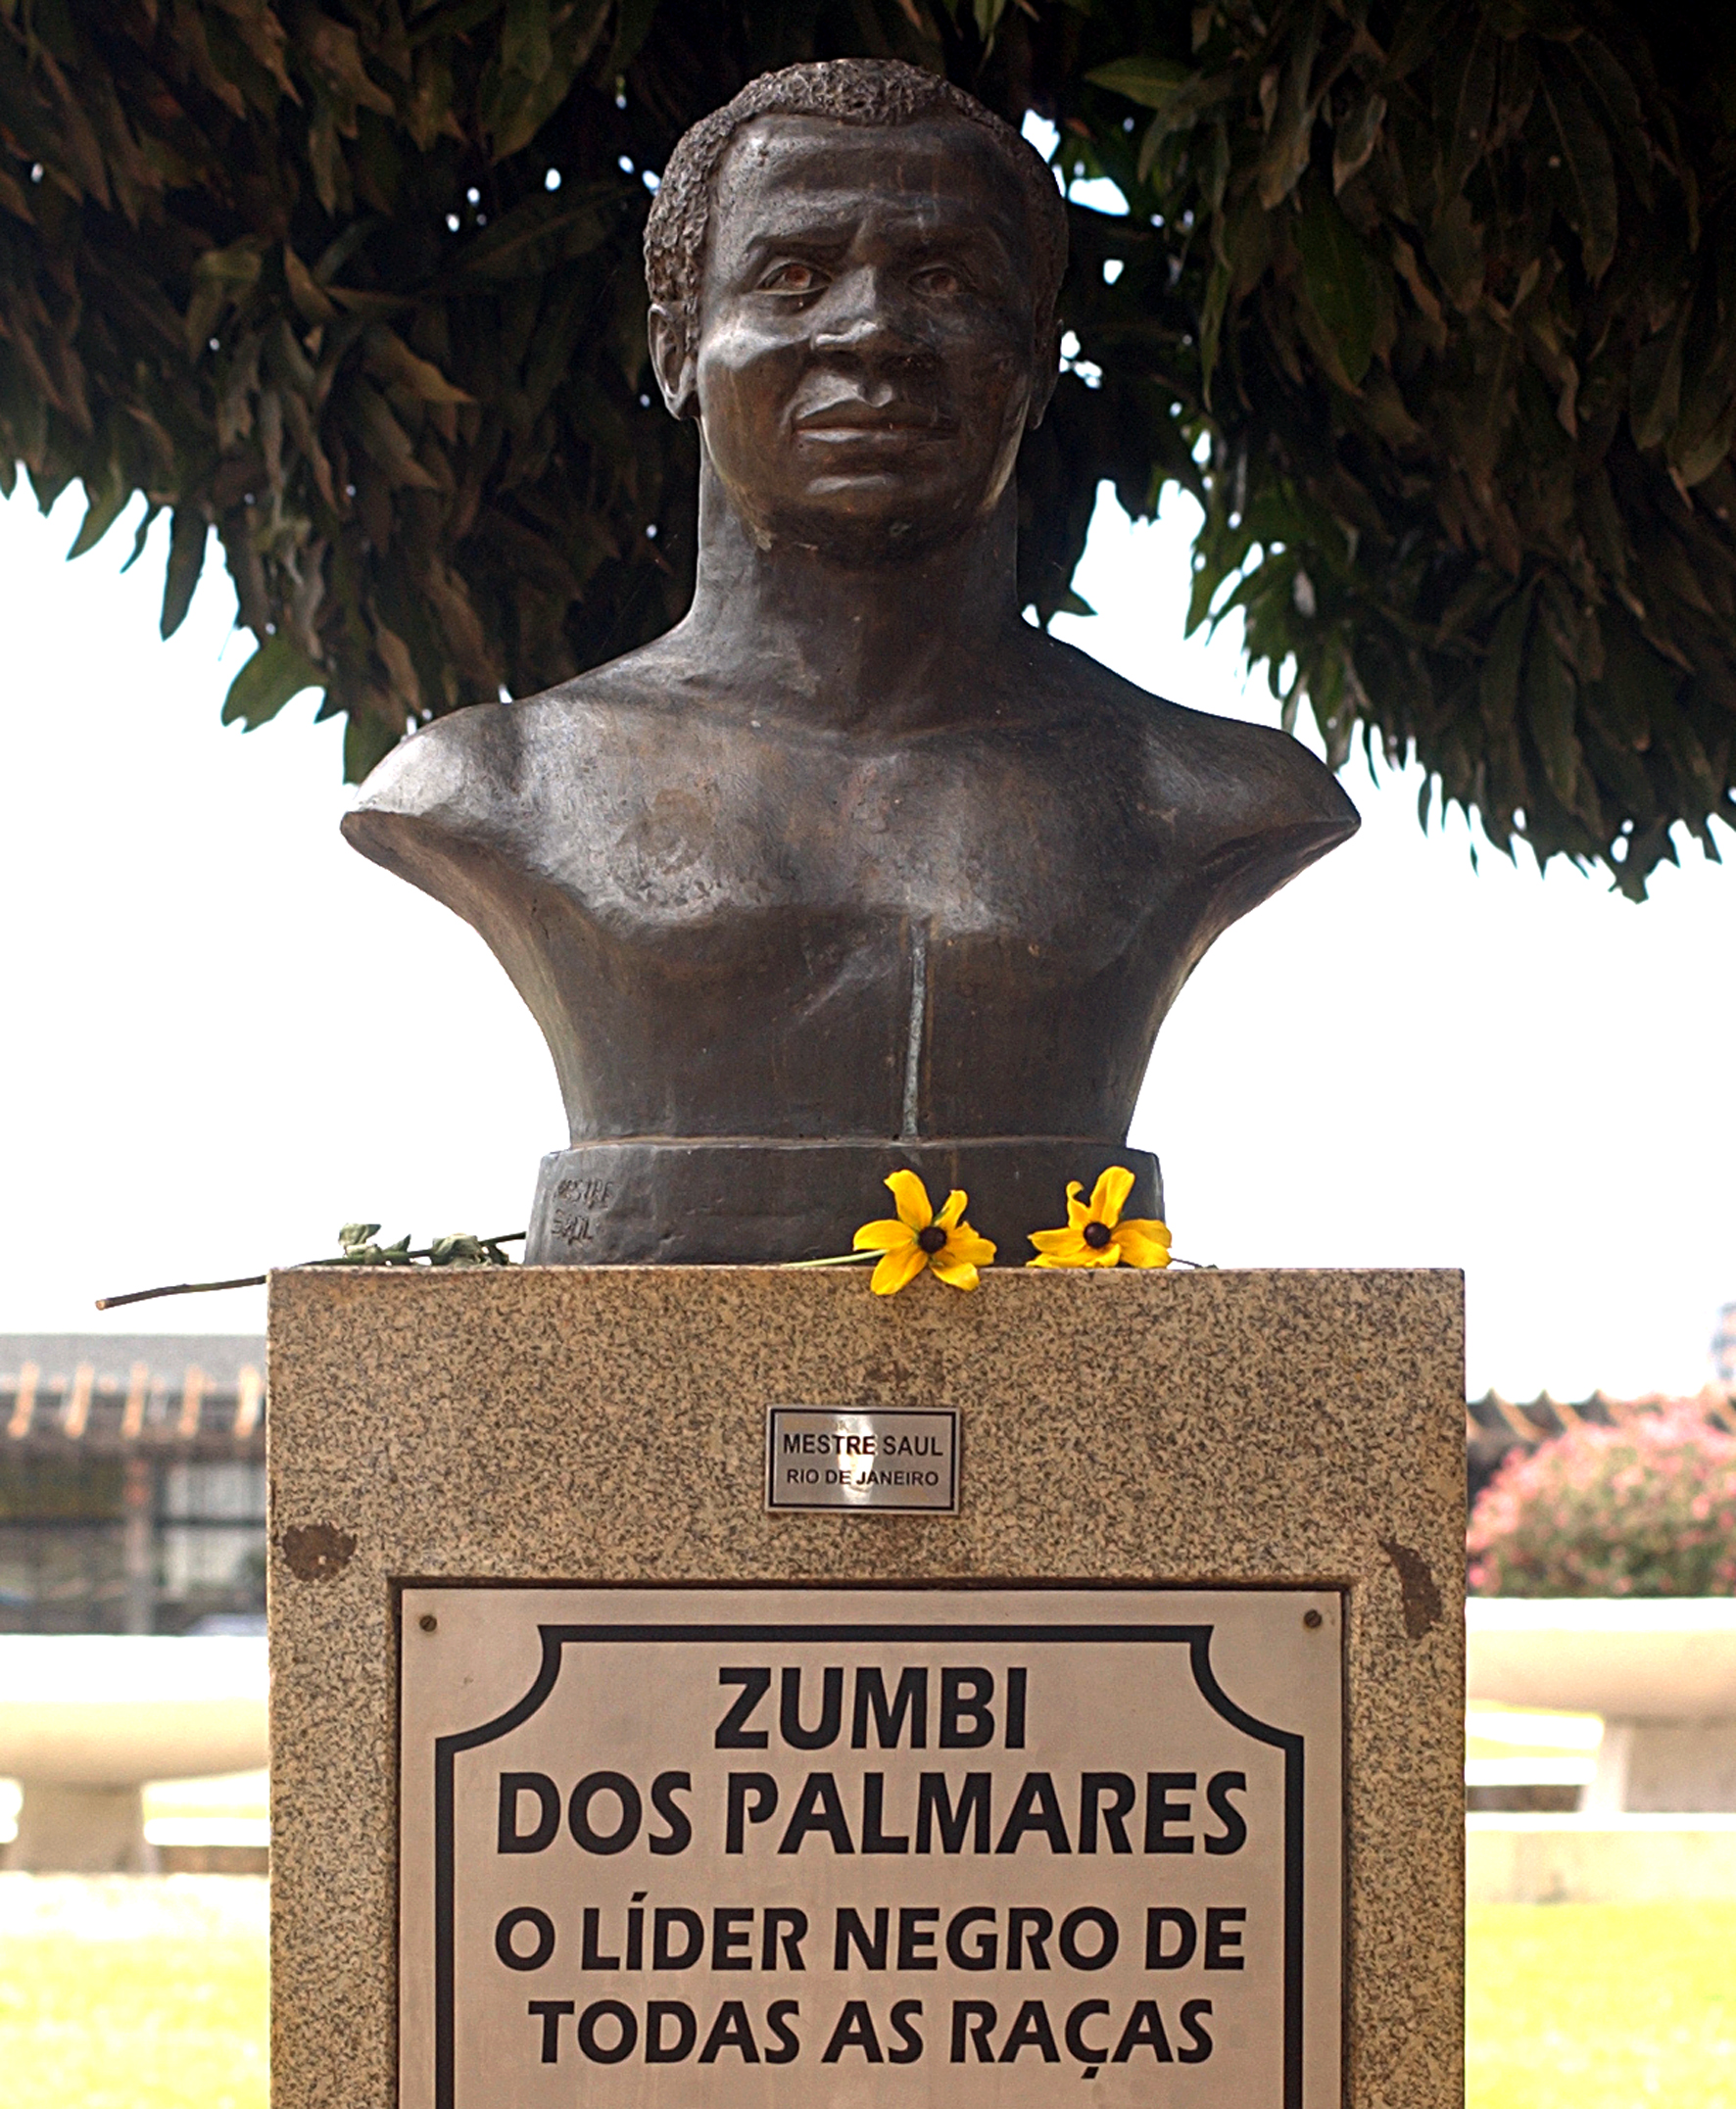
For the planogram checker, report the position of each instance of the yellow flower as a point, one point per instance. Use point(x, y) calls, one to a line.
point(916, 1237)
point(1096, 1237)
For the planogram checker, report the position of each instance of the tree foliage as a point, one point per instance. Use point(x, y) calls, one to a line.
point(1428, 302)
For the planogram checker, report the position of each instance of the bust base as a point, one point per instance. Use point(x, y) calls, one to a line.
point(558, 1426)
point(747, 1201)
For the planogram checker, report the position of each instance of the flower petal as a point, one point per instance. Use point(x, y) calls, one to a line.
point(1138, 1249)
point(955, 1274)
point(910, 1198)
point(964, 1245)
point(1110, 1194)
point(1142, 1244)
point(1077, 1213)
point(888, 1235)
point(1084, 1255)
point(1059, 1242)
point(953, 1210)
point(1077, 1253)
point(894, 1269)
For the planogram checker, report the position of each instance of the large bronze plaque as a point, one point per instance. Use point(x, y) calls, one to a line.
point(842, 1846)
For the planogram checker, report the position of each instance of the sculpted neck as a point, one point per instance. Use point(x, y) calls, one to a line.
point(892, 644)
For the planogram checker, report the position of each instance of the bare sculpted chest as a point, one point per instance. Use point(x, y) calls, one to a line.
point(968, 930)
point(975, 836)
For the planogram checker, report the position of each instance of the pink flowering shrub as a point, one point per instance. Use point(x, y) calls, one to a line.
point(1644, 1509)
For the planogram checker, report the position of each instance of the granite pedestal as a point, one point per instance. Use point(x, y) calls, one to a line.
point(1184, 1431)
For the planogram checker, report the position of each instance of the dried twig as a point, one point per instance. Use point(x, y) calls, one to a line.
point(361, 1255)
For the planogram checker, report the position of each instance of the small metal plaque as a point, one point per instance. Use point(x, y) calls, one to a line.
point(862, 1457)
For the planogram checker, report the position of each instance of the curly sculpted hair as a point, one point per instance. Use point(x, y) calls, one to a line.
point(849, 91)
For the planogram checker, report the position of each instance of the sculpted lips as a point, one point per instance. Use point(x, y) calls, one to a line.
point(852, 419)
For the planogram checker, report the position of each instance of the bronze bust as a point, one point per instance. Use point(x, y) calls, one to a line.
point(855, 868)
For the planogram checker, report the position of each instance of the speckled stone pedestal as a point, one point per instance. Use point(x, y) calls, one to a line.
point(1183, 1428)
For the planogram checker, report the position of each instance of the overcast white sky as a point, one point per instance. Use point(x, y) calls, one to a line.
point(224, 1034)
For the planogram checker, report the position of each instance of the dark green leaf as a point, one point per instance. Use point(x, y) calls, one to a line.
point(107, 502)
point(386, 440)
point(1421, 28)
point(1145, 79)
point(141, 534)
point(988, 14)
point(527, 49)
point(367, 741)
point(537, 69)
point(1211, 323)
point(1695, 450)
point(1498, 686)
point(1464, 97)
point(1356, 139)
point(188, 533)
point(220, 278)
point(1550, 696)
point(1701, 439)
point(545, 232)
point(1578, 156)
point(1291, 135)
point(633, 25)
point(1342, 282)
point(1621, 109)
point(311, 302)
point(391, 360)
point(336, 55)
point(1654, 392)
point(276, 671)
point(1455, 249)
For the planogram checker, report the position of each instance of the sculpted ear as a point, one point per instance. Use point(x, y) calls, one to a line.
point(1048, 373)
point(672, 362)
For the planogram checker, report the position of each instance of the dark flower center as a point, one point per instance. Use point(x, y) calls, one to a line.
point(1097, 1236)
point(932, 1239)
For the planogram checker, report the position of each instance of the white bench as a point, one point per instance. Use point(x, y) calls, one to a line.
point(87, 1719)
point(1661, 1672)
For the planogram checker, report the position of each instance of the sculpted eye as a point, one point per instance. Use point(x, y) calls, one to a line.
point(791, 278)
point(940, 279)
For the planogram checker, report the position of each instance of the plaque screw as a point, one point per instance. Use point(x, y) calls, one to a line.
point(428, 1621)
point(1311, 1619)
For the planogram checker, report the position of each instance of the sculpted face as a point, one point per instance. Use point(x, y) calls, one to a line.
point(866, 361)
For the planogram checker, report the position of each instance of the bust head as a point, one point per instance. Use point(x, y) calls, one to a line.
point(853, 269)
point(854, 868)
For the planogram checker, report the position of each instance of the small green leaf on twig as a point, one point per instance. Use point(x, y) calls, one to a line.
point(358, 1249)
point(463, 1250)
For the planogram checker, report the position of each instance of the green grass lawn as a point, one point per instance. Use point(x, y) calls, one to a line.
point(1602, 2006)
point(122, 1994)
point(131, 1994)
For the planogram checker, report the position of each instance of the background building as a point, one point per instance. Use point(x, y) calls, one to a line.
point(1724, 1349)
point(132, 1474)
point(132, 1483)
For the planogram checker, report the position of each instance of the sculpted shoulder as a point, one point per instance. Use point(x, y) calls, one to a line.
point(487, 774)
point(1229, 793)
point(1231, 811)
point(1253, 781)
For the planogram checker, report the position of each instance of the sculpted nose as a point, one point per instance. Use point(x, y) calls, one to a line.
point(865, 319)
